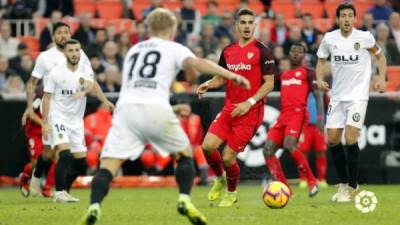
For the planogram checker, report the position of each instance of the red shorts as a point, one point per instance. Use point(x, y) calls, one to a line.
point(312, 138)
point(289, 123)
point(237, 132)
point(35, 146)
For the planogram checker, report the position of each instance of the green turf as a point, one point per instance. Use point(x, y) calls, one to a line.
point(154, 206)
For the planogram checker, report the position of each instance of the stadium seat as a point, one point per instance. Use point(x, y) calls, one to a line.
point(257, 7)
point(286, 9)
point(393, 77)
point(40, 24)
point(362, 7)
point(109, 9)
point(265, 23)
point(315, 9)
point(172, 5)
point(84, 6)
point(34, 54)
point(138, 8)
point(32, 43)
point(294, 22)
point(323, 24)
point(226, 7)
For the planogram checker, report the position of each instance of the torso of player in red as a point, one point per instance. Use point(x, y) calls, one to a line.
point(33, 129)
point(252, 61)
point(295, 87)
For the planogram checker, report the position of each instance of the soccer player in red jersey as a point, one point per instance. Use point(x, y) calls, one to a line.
point(243, 110)
point(295, 86)
point(33, 134)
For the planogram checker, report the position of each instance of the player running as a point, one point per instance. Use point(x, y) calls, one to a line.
point(64, 104)
point(144, 115)
point(44, 63)
point(295, 85)
point(313, 137)
point(243, 110)
point(350, 53)
point(33, 134)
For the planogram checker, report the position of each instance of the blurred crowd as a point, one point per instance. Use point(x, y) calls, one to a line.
point(207, 35)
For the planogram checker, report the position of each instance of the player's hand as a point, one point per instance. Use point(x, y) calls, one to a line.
point(45, 130)
point(202, 89)
point(241, 81)
point(380, 85)
point(182, 110)
point(109, 104)
point(241, 109)
point(28, 112)
point(323, 86)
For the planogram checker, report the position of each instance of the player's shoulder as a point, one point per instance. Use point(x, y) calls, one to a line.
point(309, 70)
point(334, 34)
point(362, 34)
point(48, 54)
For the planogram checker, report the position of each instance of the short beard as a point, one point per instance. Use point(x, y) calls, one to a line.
point(60, 46)
point(72, 63)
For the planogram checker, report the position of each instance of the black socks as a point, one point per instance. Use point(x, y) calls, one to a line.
point(100, 185)
point(184, 174)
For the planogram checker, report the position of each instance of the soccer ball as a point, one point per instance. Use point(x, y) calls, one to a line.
point(276, 195)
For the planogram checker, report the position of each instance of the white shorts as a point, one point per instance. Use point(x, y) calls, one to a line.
point(64, 133)
point(342, 113)
point(135, 125)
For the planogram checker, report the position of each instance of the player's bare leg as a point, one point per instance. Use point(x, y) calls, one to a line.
point(210, 147)
point(100, 187)
point(290, 143)
point(339, 159)
point(351, 135)
point(273, 164)
point(232, 177)
point(184, 174)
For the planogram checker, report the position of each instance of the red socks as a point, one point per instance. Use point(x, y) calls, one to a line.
point(303, 166)
point(275, 168)
point(215, 162)
point(321, 167)
point(232, 176)
point(27, 172)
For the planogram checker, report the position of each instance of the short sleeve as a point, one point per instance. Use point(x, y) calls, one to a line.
point(221, 61)
point(48, 83)
point(87, 66)
point(323, 50)
point(267, 62)
point(40, 68)
point(181, 54)
point(370, 41)
point(312, 79)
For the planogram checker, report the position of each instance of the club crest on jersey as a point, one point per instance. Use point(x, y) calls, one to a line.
point(60, 136)
point(297, 74)
point(81, 81)
point(356, 46)
point(250, 55)
point(356, 117)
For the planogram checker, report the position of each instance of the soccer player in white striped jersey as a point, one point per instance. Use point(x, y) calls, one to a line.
point(350, 52)
point(143, 113)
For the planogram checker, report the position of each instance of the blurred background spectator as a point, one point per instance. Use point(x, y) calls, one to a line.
point(85, 33)
point(111, 80)
point(15, 62)
point(14, 88)
point(381, 10)
point(394, 25)
point(367, 23)
point(8, 44)
point(26, 67)
point(388, 46)
point(96, 46)
point(212, 15)
point(279, 30)
point(124, 43)
point(110, 55)
point(46, 35)
point(208, 41)
point(226, 27)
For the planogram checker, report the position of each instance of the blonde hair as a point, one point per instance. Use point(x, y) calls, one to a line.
point(161, 21)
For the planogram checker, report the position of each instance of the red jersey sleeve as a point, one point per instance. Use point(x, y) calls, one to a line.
point(222, 61)
point(267, 62)
point(312, 79)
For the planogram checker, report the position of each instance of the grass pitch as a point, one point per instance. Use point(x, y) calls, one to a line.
point(157, 206)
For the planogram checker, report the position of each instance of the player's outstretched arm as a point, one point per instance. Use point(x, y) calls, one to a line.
point(320, 70)
point(208, 67)
point(30, 94)
point(243, 107)
point(45, 114)
point(98, 93)
point(380, 84)
point(215, 82)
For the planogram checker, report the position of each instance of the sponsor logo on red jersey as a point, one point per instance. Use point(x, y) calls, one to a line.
point(237, 67)
point(292, 81)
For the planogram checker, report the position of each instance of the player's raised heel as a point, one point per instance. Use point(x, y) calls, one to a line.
point(92, 215)
point(217, 187)
point(314, 190)
point(347, 195)
point(186, 208)
point(228, 200)
point(24, 185)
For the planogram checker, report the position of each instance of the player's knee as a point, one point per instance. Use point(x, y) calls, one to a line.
point(333, 141)
point(228, 160)
point(208, 149)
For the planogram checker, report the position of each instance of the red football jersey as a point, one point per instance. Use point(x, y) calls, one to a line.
point(252, 61)
point(295, 87)
point(32, 128)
